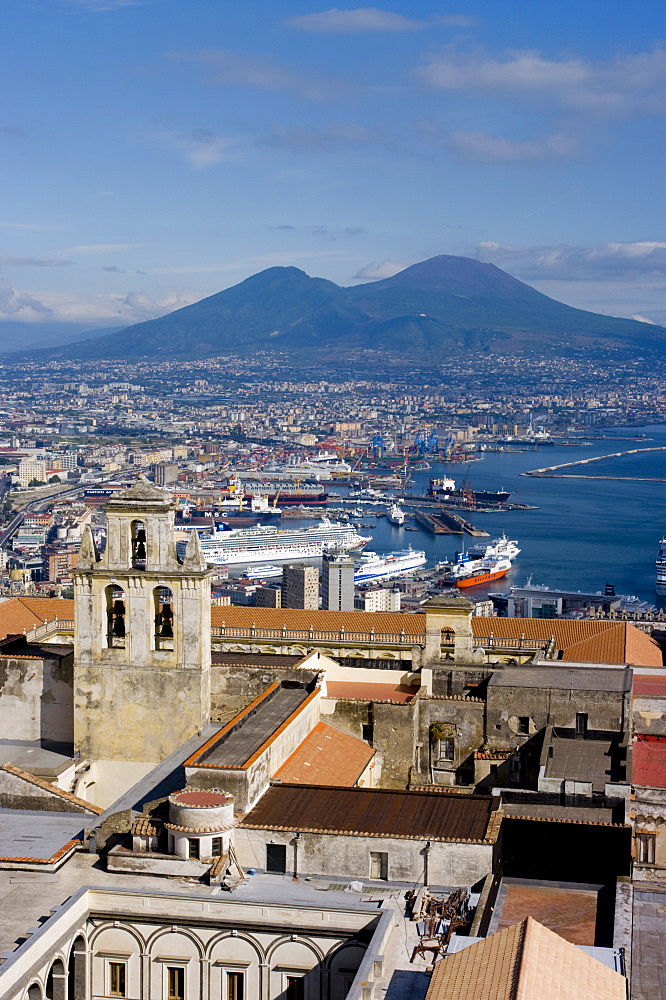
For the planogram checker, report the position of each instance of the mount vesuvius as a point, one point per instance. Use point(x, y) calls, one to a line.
point(431, 309)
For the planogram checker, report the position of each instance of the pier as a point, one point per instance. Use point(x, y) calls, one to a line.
point(446, 523)
point(552, 471)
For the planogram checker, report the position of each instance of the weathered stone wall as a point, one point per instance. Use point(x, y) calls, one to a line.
point(36, 700)
point(549, 706)
point(235, 685)
point(17, 793)
point(341, 856)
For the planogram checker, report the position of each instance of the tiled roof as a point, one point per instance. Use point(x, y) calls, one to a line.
point(25, 613)
point(524, 962)
point(584, 641)
point(53, 789)
point(377, 812)
point(358, 691)
point(327, 756)
point(146, 826)
point(648, 757)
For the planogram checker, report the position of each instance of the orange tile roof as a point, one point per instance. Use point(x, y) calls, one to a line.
point(524, 962)
point(327, 756)
point(584, 641)
point(19, 613)
point(359, 691)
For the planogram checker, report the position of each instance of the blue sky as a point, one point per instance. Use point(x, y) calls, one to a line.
point(153, 152)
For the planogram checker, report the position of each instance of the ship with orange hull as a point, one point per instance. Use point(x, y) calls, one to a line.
point(477, 580)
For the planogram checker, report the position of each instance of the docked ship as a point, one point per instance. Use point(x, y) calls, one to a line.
point(289, 492)
point(445, 490)
point(267, 544)
point(661, 567)
point(485, 572)
point(396, 516)
point(494, 557)
point(373, 567)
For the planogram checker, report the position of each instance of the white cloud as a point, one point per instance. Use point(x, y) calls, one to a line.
point(377, 270)
point(625, 85)
point(203, 148)
point(355, 21)
point(132, 307)
point(35, 227)
point(7, 261)
point(645, 259)
point(499, 149)
point(103, 247)
point(246, 69)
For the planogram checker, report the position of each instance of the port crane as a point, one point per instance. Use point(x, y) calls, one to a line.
point(432, 446)
point(378, 447)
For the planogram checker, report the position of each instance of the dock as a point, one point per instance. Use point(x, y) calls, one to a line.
point(435, 524)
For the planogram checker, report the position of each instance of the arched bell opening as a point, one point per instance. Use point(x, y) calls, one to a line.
point(164, 618)
point(138, 538)
point(116, 610)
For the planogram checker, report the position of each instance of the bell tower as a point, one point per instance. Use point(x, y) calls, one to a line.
point(142, 639)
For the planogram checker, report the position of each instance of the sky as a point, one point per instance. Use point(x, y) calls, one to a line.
point(153, 152)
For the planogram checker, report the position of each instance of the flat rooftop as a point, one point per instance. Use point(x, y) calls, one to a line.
point(581, 914)
point(360, 691)
point(245, 735)
point(564, 678)
point(596, 761)
point(36, 834)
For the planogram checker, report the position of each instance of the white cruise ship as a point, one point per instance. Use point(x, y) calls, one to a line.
point(266, 544)
point(661, 567)
point(396, 516)
point(399, 563)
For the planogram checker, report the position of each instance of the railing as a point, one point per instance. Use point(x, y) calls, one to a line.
point(50, 628)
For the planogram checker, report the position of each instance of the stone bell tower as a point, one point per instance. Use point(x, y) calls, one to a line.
point(142, 639)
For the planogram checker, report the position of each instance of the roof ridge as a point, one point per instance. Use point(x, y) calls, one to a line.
point(41, 783)
point(519, 986)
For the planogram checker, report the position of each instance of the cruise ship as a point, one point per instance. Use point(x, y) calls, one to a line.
point(399, 563)
point(267, 544)
point(661, 567)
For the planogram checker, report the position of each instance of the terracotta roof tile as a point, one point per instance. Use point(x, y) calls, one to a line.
point(524, 962)
point(327, 756)
point(19, 613)
point(147, 826)
point(358, 691)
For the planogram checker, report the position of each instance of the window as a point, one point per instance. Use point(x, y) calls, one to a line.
point(138, 545)
point(446, 749)
point(367, 732)
point(235, 985)
point(276, 858)
point(217, 847)
point(115, 617)
point(294, 988)
point(175, 982)
point(378, 865)
point(117, 979)
point(645, 848)
point(163, 598)
point(581, 723)
point(193, 847)
point(524, 725)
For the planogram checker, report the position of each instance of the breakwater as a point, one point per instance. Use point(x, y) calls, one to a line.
point(553, 471)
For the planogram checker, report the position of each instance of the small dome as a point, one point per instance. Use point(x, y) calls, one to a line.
point(201, 811)
point(200, 800)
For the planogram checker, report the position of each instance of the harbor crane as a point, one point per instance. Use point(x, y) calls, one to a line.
point(378, 446)
point(432, 447)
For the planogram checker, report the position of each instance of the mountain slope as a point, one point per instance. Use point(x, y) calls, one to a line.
point(432, 308)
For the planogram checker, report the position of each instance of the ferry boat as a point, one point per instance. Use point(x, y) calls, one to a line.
point(661, 567)
point(399, 563)
point(396, 516)
point(263, 572)
point(469, 563)
point(487, 571)
point(265, 543)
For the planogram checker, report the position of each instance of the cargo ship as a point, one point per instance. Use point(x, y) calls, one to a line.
point(267, 544)
point(399, 563)
point(445, 490)
point(288, 492)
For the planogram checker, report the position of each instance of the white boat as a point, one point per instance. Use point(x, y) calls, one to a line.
point(263, 572)
point(661, 567)
point(377, 567)
point(396, 516)
point(266, 543)
point(478, 557)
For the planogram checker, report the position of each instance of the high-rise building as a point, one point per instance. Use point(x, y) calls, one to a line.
point(300, 586)
point(268, 597)
point(337, 582)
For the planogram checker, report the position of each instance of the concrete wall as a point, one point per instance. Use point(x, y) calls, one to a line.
point(339, 856)
point(649, 715)
point(234, 686)
point(36, 700)
point(18, 793)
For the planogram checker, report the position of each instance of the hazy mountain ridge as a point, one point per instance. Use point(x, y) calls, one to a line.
point(436, 306)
